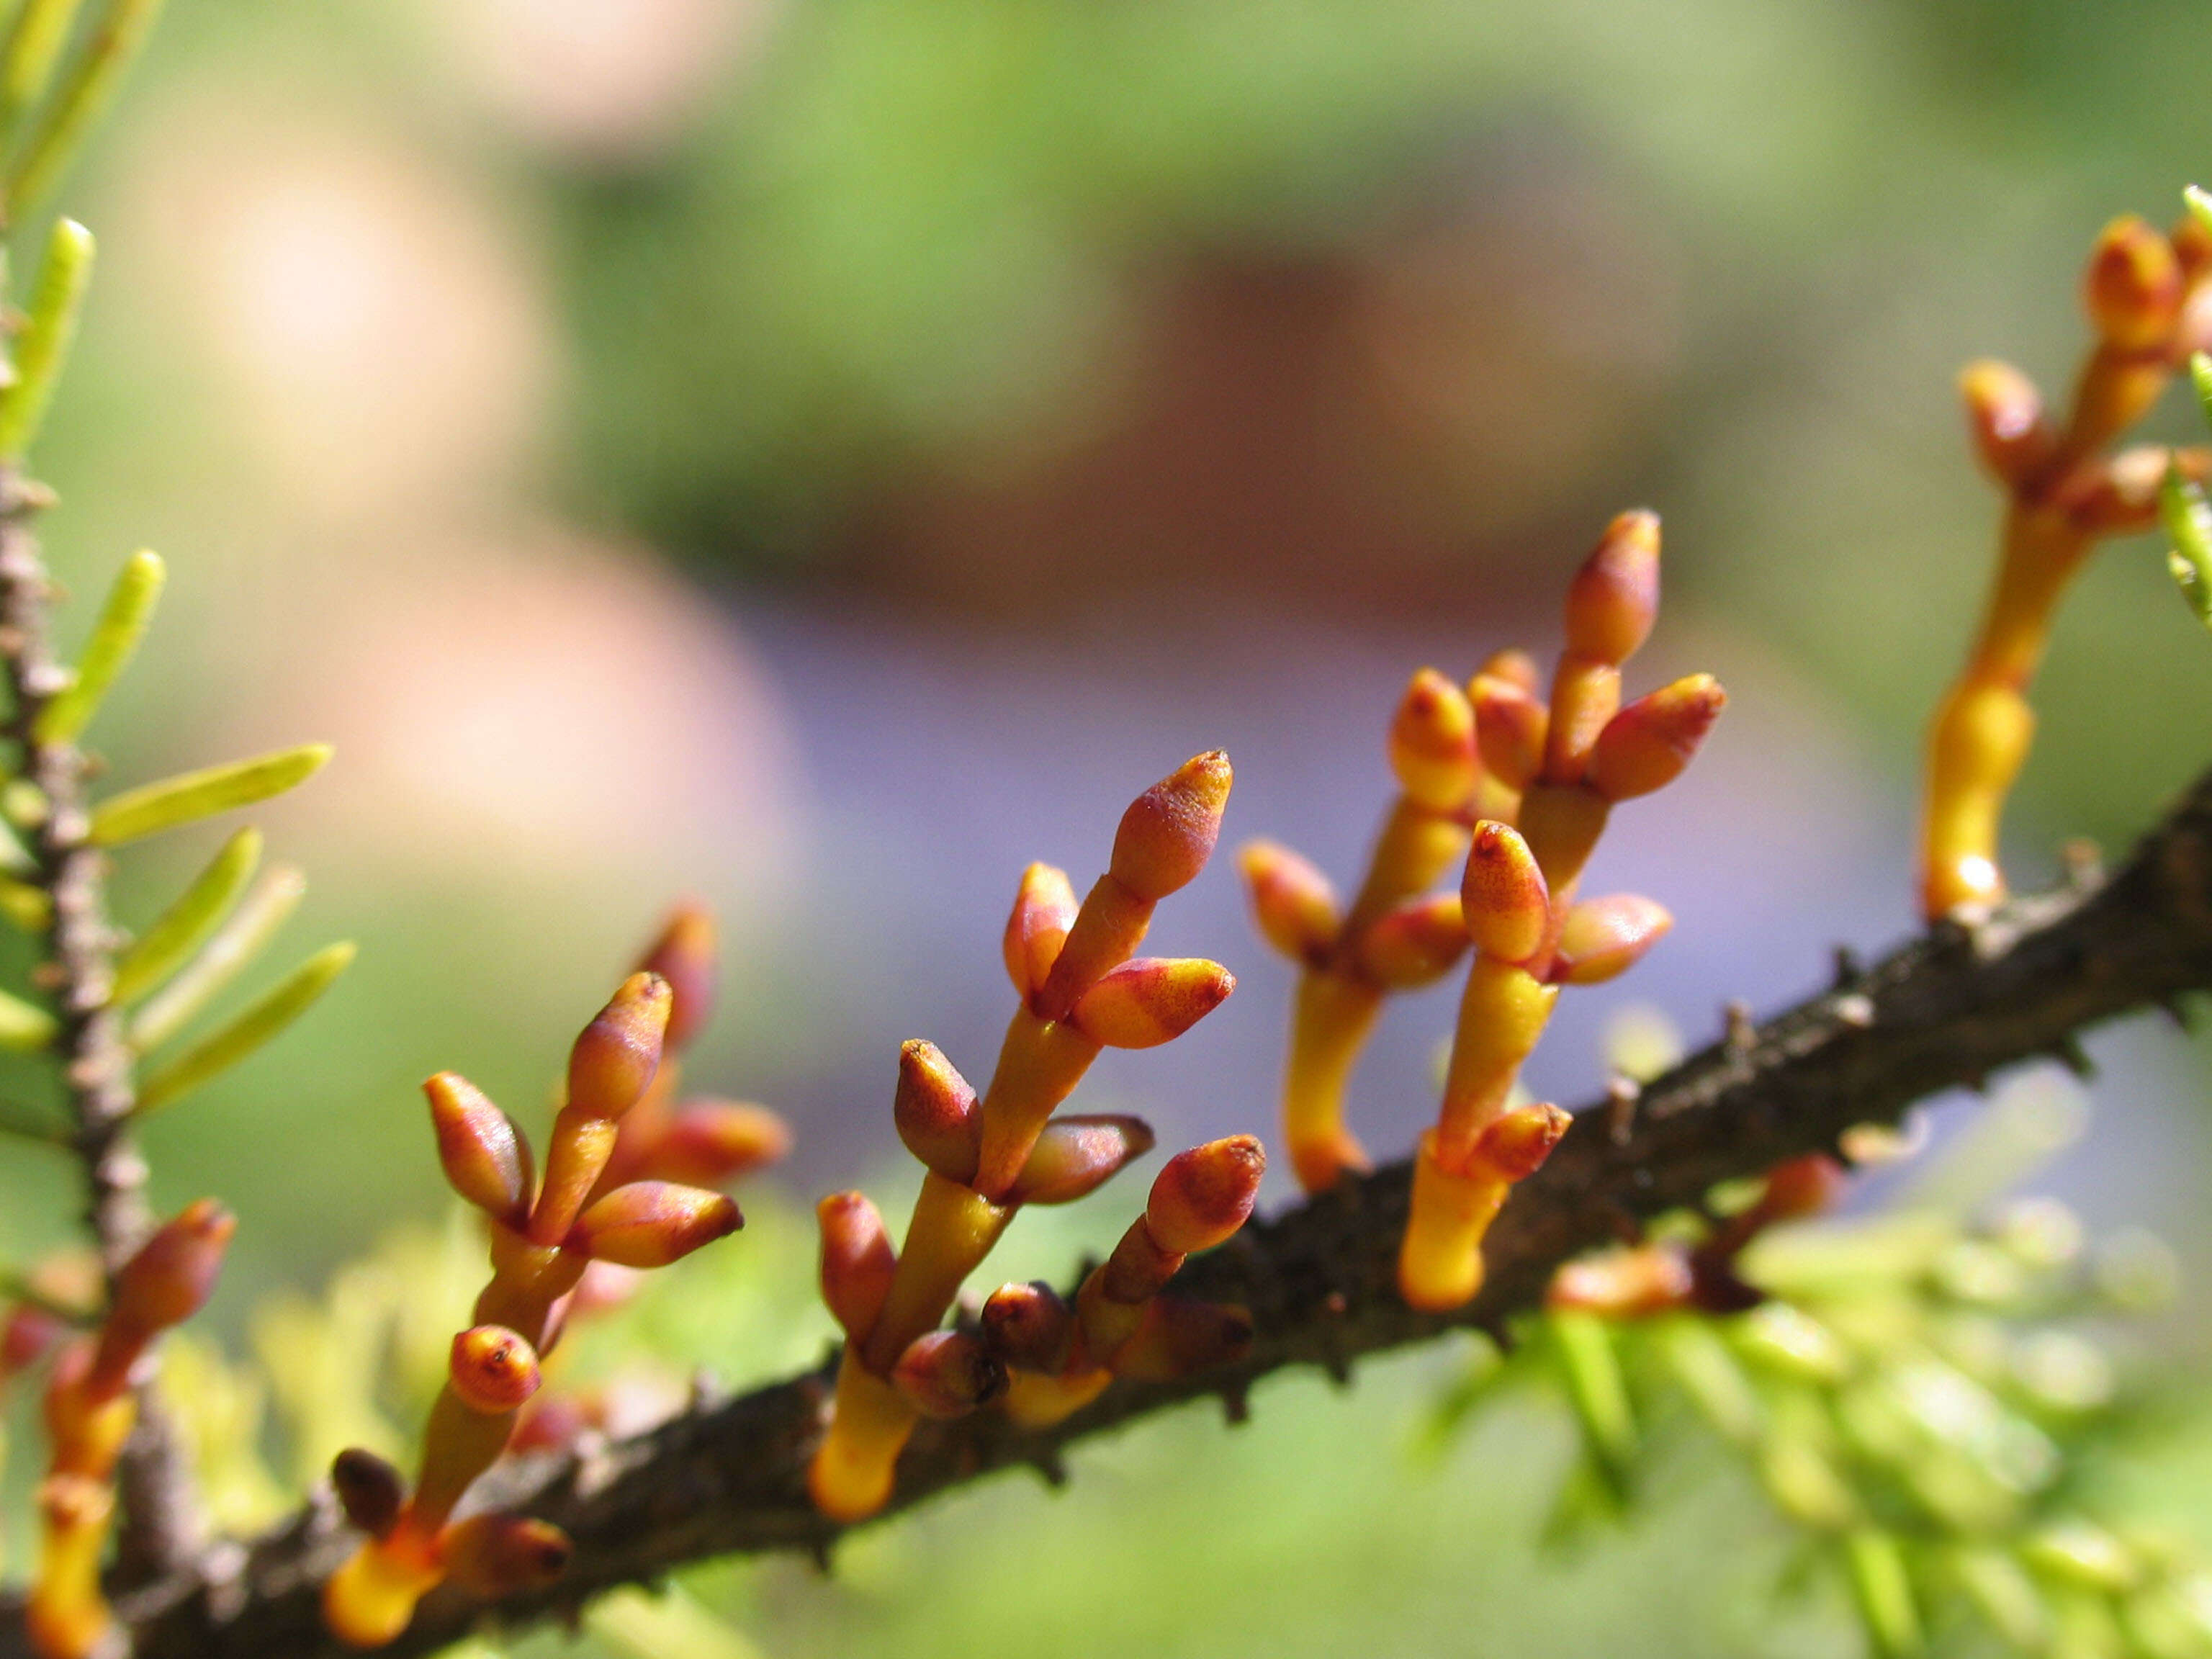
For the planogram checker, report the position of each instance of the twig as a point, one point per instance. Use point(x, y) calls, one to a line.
point(1945, 1009)
point(159, 1533)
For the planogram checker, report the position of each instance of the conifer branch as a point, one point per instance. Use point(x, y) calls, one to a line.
point(1950, 1008)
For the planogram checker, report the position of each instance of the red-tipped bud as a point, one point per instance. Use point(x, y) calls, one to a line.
point(1416, 943)
point(1432, 742)
point(494, 1370)
point(492, 1556)
point(1168, 831)
point(29, 1335)
point(370, 1490)
point(1515, 1146)
point(1645, 746)
point(1029, 1327)
point(1074, 1155)
point(1509, 724)
point(1625, 1283)
point(1804, 1186)
point(857, 1261)
point(684, 955)
point(485, 1158)
point(1603, 938)
point(709, 1143)
point(650, 1223)
point(935, 1110)
point(949, 1373)
point(2004, 414)
point(1615, 597)
point(1291, 901)
point(173, 1272)
point(1205, 1194)
point(1044, 909)
point(617, 1054)
point(1177, 1337)
point(1502, 896)
point(2132, 288)
point(1514, 666)
point(1150, 1001)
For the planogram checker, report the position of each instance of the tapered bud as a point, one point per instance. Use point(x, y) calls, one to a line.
point(494, 1370)
point(1804, 1186)
point(1205, 1194)
point(857, 1261)
point(2133, 285)
point(1291, 901)
point(617, 1054)
point(173, 1272)
point(1432, 742)
point(1044, 909)
point(1029, 1327)
point(1509, 723)
point(1514, 666)
point(1625, 1284)
point(492, 1556)
point(1168, 831)
point(1615, 597)
point(485, 1158)
point(708, 1143)
point(1515, 1146)
point(1074, 1155)
point(370, 1490)
point(684, 955)
point(1645, 746)
point(1502, 896)
point(1150, 1001)
point(949, 1373)
point(2004, 413)
point(935, 1110)
point(650, 1223)
point(1177, 1337)
point(1414, 944)
point(1602, 938)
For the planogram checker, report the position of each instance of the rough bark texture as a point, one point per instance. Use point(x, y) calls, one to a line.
point(1945, 1010)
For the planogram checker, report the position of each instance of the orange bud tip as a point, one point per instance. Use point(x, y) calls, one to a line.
point(1509, 726)
point(650, 1223)
point(1044, 909)
point(1515, 1146)
point(1603, 938)
point(1615, 597)
point(1077, 1155)
point(1204, 1196)
point(1503, 895)
point(1029, 1327)
point(370, 1490)
point(173, 1272)
point(857, 1260)
point(1415, 943)
point(2004, 413)
point(935, 1111)
point(1646, 745)
point(707, 1143)
point(1630, 1283)
point(1168, 831)
point(2132, 288)
point(1291, 901)
point(1801, 1187)
point(948, 1374)
point(1514, 666)
point(685, 954)
point(1432, 742)
point(494, 1370)
point(485, 1158)
point(617, 1054)
point(1150, 1001)
point(498, 1555)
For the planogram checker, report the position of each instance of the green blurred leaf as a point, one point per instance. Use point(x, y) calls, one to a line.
point(189, 796)
point(122, 31)
point(24, 1027)
point(25, 906)
point(114, 641)
point(164, 947)
point(256, 1024)
point(1598, 1391)
point(1873, 1562)
point(2189, 527)
point(43, 347)
point(237, 943)
point(34, 45)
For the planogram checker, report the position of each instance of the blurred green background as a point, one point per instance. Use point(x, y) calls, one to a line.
point(819, 456)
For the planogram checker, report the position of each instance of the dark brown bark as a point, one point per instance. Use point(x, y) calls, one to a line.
point(1945, 1010)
